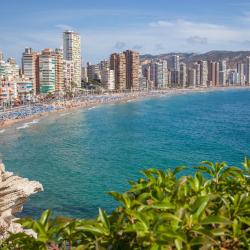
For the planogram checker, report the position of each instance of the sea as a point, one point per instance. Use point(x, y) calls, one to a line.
point(80, 155)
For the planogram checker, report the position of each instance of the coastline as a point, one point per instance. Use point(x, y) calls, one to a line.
point(74, 104)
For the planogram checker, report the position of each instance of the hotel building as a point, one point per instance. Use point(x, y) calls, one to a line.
point(72, 52)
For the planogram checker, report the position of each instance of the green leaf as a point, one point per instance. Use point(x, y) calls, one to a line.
point(104, 219)
point(213, 219)
point(200, 205)
point(45, 217)
point(245, 220)
point(179, 169)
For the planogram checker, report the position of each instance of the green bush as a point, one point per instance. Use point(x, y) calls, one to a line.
point(207, 210)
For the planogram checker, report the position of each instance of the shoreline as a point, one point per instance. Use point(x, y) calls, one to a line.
point(71, 105)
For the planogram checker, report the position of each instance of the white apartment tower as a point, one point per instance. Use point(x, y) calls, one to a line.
point(248, 71)
point(203, 73)
point(72, 52)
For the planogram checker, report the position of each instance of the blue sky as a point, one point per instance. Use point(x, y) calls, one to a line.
point(148, 26)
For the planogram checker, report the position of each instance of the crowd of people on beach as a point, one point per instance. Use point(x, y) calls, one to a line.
point(25, 111)
point(61, 103)
point(65, 103)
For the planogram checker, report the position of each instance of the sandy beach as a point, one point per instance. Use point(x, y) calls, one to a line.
point(29, 113)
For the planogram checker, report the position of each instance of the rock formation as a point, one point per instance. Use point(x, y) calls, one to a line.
point(14, 192)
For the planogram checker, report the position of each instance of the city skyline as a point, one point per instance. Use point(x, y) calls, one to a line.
point(151, 27)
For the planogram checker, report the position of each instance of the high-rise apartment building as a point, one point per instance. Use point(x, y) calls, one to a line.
point(175, 70)
point(192, 77)
point(240, 71)
point(47, 71)
point(118, 64)
point(203, 73)
point(93, 71)
point(126, 68)
point(51, 76)
point(30, 68)
point(132, 69)
point(68, 74)
point(160, 74)
point(248, 71)
point(72, 52)
point(108, 78)
point(183, 75)
point(59, 70)
point(197, 68)
point(222, 73)
point(213, 73)
point(1, 55)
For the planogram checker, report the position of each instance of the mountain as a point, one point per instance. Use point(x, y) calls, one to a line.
point(232, 57)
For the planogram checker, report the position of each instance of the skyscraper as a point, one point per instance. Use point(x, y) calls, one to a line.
point(240, 71)
point(126, 69)
point(222, 72)
point(72, 52)
point(118, 64)
point(248, 71)
point(47, 71)
point(160, 74)
point(211, 73)
point(30, 68)
point(203, 73)
point(132, 69)
point(183, 75)
point(175, 70)
point(1, 56)
point(192, 77)
point(197, 68)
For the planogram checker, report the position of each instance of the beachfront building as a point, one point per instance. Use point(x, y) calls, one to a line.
point(191, 78)
point(68, 74)
point(203, 73)
point(132, 69)
point(240, 71)
point(9, 70)
point(175, 71)
point(183, 75)
point(47, 71)
point(126, 67)
point(232, 77)
point(213, 73)
point(51, 76)
point(30, 67)
point(84, 74)
point(248, 71)
point(108, 78)
point(93, 72)
point(159, 74)
point(72, 52)
point(1, 55)
point(58, 54)
point(222, 73)
point(118, 64)
point(197, 68)
point(8, 92)
point(25, 90)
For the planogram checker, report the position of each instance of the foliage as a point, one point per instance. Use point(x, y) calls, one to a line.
point(207, 210)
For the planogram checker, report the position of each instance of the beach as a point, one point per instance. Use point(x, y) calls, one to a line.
point(34, 111)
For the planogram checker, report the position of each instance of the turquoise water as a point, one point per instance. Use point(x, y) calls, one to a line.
point(78, 157)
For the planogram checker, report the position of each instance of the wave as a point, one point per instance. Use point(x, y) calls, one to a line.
point(2, 131)
point(28, 124)
point(64, 114)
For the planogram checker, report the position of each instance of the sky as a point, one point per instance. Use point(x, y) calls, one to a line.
point(106, 26)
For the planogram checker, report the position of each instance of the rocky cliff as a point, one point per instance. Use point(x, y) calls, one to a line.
point(14, 192)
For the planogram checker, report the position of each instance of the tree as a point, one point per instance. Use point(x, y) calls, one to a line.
point(162, 210)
